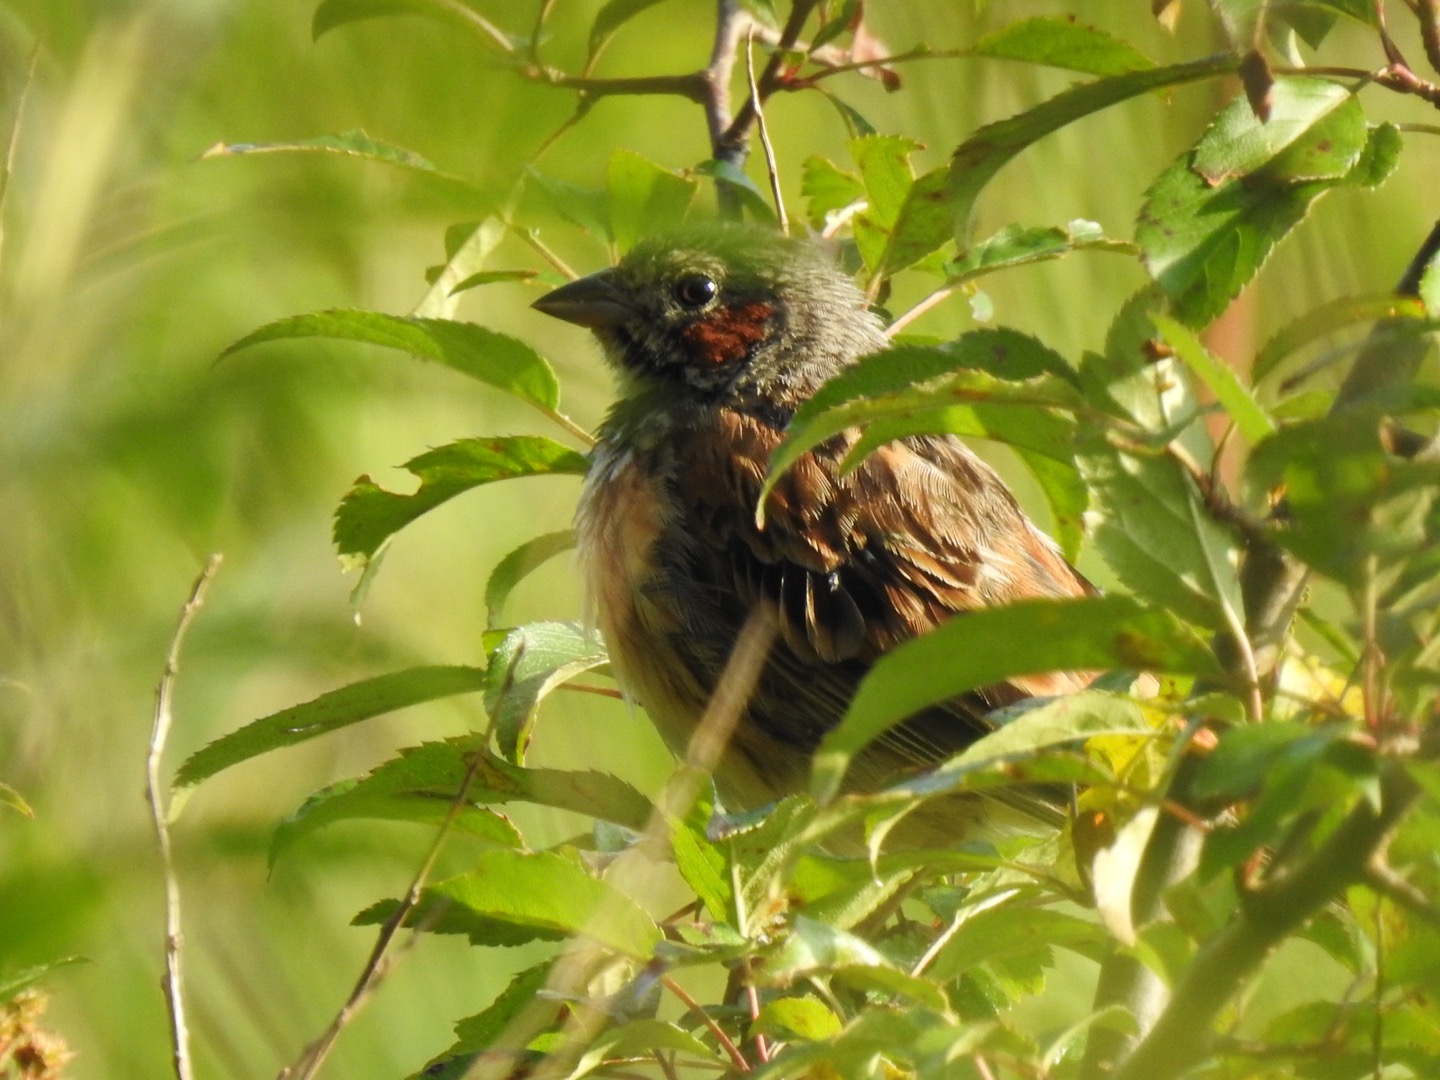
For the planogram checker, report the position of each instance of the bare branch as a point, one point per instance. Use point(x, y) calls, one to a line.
point(174, 982)
point(770, 167)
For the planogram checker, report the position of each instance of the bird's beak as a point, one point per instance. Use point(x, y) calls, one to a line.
point(594, 302)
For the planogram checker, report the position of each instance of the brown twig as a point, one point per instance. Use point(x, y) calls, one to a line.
point(726, 1043)
point(770, 168)
point(174, 981)
point(732, 146)
point(1428, 11)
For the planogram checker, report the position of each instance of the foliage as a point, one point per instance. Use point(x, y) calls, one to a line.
point(1266, 522)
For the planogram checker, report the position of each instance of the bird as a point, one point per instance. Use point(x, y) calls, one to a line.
point(717, 334)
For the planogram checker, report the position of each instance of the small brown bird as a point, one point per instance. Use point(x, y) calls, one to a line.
point(718, 334)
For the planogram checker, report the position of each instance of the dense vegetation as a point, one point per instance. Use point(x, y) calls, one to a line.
point(1072, 217)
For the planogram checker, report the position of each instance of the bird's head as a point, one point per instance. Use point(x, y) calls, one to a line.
point(723, 312)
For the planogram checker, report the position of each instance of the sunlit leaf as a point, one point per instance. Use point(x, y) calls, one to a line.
point(419, 785)
point(531, 893)
point(518, 565)
point(1249, 417)
point(1063, 43)
point(1326, 319)
point(987, 646)
point(329, 712)
point(814, 949)
point(1012, 930)
point(1016, 245)
point(14, 800)
point(502, 361)
point(525, 664)
point(980, 157)
point(369, 515)
point(1239, 142)
point(644, 198)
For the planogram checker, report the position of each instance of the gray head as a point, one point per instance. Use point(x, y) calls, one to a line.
point(721, 312)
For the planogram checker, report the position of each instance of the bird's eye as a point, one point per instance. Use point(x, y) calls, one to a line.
point(695, 290)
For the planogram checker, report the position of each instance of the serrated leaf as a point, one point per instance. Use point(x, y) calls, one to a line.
point(702, 862)
point(1250, 419)
point(1326, 319)
point(524, 666)
point(980, 157)
point(987, 646)
point(800, 1017)
point(737, 181)
point(499, 360)
point(1203, 244)
point(523, 993)
point(855, 123)
point(369, 515)
point(644, 198)
point(1013, 930)
point(1017, 245)
point(1063, 43)
point(590, 793)
point(1002, 366)
point(419, 786)
point(1380, 157)
point(518, 565)
point(813, 949)
point(1146, 522)
point(329, 712)
point(548, 892)
point(1315, 113)
point(586, 207)
point(827, 188)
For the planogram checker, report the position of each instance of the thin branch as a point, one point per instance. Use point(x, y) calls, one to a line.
point(1429, 15)
point(1182, 1035)
point(174, 982)
point(1385, 881)
point(770, 167)
point(732, 143)
point(726, 1043)
point(381, 960)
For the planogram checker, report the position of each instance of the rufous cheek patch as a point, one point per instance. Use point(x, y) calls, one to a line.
point(729, 333)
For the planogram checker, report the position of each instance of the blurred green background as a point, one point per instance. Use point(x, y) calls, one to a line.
point(128, 454)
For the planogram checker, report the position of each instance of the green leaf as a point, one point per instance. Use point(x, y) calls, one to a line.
point(1317, 114)
point(329, 712)
point(463, 263)
point(1381, 156)
point(827, 188)
point(516, 566)
point(813, 949)
point(990, 645)
point(644, 198)
point(1011, 931)
point(805, 1017)
point(547, 891)
point(332, 13)
point(417, 786)
point(525, 664)
point(522, 995)
point(991, 371)
point(14, 984)
point(702, 862)
point(1251, 420)
point(582, 206)
point(1204, 243)
point(1326, 319)
point(1017, 245)
point(615, 14)
point(728, 177)
point(14, 800)
point(1149, 526)
point(590, 793)
point(1063, 43)
point(369, 515)
point(980, 157)
point(501, 361)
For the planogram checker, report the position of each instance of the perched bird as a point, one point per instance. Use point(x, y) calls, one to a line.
point(717, 335)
